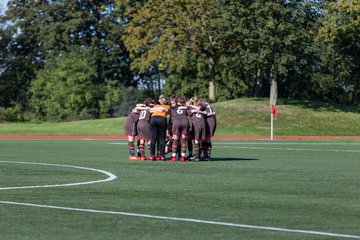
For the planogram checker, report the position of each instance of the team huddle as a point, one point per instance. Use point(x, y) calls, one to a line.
point(190, 127)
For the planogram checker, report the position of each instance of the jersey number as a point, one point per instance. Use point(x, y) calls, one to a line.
point(142, 114)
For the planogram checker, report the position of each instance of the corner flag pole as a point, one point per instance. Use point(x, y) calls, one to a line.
point(273, 100)
point(272, 127)
point(274, 113)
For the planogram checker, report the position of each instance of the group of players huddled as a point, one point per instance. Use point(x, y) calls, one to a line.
point(190, 126)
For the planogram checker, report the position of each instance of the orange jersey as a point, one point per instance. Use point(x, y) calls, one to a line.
point(160, 113)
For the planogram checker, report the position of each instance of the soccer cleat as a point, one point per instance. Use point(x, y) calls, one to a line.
point(162, 158)
point(182, 159)
point(188, 157)
point(152, 158)
point(173, 159)
point(144, 158)
point(133, 158)
point(196, 159)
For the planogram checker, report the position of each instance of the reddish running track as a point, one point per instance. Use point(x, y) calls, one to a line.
point(125, 137)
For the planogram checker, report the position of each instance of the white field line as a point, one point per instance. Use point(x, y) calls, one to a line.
point(110, 176)
point(291, 149)
point(184, 220)
point(260, 142)
point(286, 143)
point(217, 145)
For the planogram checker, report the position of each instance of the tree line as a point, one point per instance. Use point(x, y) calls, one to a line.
point(66, 59)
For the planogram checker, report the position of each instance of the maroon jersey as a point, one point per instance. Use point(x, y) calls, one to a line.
point(199, 124)
point(179, 120)
point(178, 113)
point(198, 119)
point(210, 120)
point(130, 124)
point(143, 125)
point(207, 108)
point(145, 114)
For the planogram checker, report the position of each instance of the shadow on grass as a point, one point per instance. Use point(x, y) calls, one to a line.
point(232, 159)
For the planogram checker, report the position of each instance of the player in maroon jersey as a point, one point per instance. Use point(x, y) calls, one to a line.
point(180, 125)
point(131, 131)
point(210, 128)
point(143, 127)
point(169, 139)
point(191, 134)
point(198, 114)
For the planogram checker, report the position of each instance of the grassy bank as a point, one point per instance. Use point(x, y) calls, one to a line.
point(236, 117)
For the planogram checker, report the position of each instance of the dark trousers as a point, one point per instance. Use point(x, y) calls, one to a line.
point(158, 127)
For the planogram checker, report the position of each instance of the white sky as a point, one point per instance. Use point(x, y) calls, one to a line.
point(3, 4)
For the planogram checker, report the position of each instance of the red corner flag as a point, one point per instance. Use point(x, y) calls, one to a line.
point(274, 111)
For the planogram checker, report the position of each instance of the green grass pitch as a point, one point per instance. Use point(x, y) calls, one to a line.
point(291, 185)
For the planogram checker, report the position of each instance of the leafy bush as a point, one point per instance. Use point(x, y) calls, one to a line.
point(68, 89)
point(14, 114)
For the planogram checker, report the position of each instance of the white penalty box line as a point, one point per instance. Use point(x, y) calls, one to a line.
point(183, 220)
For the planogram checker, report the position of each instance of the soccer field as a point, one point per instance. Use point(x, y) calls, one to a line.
point(88, 189)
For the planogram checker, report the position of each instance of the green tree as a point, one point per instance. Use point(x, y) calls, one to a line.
point(18, 61)
point(340, 38)
point(164, 32)
point(188, 79)
point(244, 43)
point(67, 88)
point(41, 30)
point(274, 43)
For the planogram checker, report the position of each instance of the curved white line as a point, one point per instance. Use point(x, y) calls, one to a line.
point(185, 220)
point(110, 176)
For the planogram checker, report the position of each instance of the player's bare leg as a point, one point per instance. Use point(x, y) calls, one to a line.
point(190, 147)
point(207, 146)
point(142, 149)
point(131, 148)
point(197, 145)
point(149, 147)
point(174, 147)
point(138, 149)
point(183, 141)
